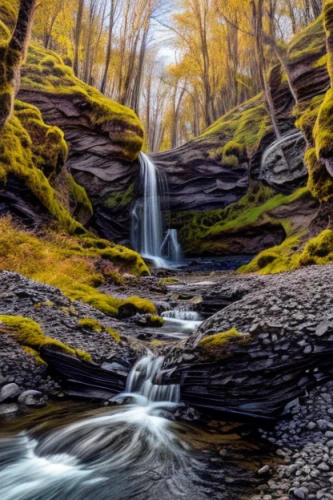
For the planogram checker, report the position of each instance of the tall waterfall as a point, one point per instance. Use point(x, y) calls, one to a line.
point(147, 225)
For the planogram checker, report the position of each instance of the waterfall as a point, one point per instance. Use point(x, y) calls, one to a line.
point(183, 315)
point(143, 377)
point(147, 221)
point(172, 246)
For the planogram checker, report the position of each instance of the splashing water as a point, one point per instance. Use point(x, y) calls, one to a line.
point(182, 314)
point(129, 452)
point(147, 225)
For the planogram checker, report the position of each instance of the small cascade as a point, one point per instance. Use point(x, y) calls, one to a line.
point(147, 221)
point(182, 315)
point(144, 378)
point(171, 246)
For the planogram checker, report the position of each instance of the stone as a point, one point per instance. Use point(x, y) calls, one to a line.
point(32, 398)
point(264, 470)
point(9, 391)
point(7, 409)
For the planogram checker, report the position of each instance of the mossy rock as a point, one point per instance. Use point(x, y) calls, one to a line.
point(46, 72)
point(216, 346)
point(30, 335)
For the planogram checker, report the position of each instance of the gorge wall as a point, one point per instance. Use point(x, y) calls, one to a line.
point(233, 190)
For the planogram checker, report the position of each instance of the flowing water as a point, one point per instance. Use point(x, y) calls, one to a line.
point(180, 323)
point(133, 451)
point(147, 227)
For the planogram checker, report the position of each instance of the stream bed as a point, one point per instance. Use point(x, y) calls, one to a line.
point(73, 451)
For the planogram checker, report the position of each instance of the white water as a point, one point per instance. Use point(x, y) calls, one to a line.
point(143, 377)
point(182, 314)
point(147, 225)
point(129, 452)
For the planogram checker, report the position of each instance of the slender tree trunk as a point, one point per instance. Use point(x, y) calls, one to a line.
point(77, 37)
point(109, 47)
point(292, 16)
point(257, 11)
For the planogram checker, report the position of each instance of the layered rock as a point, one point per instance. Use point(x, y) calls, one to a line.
point(104, 138)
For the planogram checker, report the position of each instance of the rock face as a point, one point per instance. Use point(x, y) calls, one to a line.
point(196, 181)
point(95, 160)
point(287, 349)
point(282, 165)
point(58, 317)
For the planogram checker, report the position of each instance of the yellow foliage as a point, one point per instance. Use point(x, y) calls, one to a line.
point(66, 263)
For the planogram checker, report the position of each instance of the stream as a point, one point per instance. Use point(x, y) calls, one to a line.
point(135, 450)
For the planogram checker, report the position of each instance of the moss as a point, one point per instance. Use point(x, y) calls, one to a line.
point(91, 324)
point(113, 333)
point(64, 262)
point(48, 303)
point(244, 125)
point(318, 250)
point(121, 198)
point(216, 345)
point(157, 321)
point(46, 72)
point(29, 334)
point(79, 195)
point(83, 356)
point(143, 306)
point(168, 281)
point(308, 44)
point(35, 354)
point(19, 156)
point(203, 232)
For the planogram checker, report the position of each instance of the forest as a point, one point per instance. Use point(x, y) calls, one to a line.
point(166, 249)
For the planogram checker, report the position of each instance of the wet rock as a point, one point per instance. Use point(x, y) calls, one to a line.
point(9, 391)
point(8, 409)
point(32, 398)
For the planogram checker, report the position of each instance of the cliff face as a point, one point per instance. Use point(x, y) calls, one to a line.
point(104, 138)
point(275, 209)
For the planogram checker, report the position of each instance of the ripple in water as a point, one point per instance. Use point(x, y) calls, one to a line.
point(133, 451)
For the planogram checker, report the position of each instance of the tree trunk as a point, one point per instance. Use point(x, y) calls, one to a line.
point(77, 37)
point(13, 55)
point(257, 15)
point(109, 47)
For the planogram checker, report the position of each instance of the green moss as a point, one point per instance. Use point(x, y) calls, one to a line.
point(318, 250)
point(216, 346)
point(46, 72)
point(91, 324)
point(143, 306)
point(66, 263)
point(308, 44)
point(156, 321)
point(29, 334)
point(79, 195)
point(83, 356)
point(204, 232)
point(286, 257)
point(121, 198)
point(18, 156)
point(48, 303)
point(168, 281)
point(113, 333)
point(244, 125)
